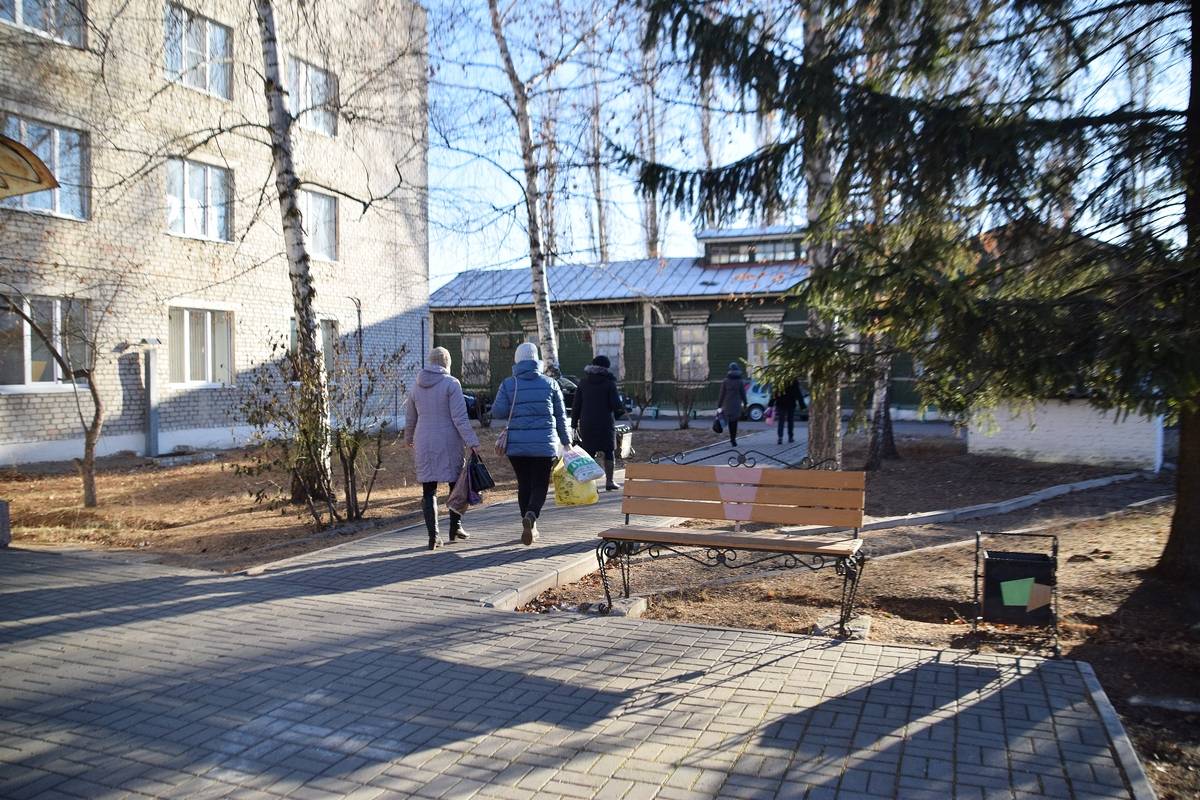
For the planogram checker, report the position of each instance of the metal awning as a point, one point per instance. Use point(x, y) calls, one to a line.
point(21, 172)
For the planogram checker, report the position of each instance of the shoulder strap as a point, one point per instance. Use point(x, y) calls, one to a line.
point(513, 405)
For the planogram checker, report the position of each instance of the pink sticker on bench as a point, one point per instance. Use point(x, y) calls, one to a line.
point(736, 493)
point(736, 512)
point(738, 474)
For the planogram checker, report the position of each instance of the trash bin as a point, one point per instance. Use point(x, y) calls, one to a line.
point(624, 441)
point(1018, 588)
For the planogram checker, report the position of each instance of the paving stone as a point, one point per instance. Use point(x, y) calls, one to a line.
point(369, 670)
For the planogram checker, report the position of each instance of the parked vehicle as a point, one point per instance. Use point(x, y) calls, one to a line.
point(758, 397)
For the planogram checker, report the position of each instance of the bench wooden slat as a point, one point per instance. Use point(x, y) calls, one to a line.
point(759, 542)
point(763, 476)
point(742, 512)
point(762, 495)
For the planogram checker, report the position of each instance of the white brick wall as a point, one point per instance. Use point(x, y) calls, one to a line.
point(134, 119)
point(1070, 432)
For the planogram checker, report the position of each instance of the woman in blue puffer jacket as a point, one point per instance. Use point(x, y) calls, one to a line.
point(537, 426)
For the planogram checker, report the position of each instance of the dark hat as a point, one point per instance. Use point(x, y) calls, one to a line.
point(601, 361)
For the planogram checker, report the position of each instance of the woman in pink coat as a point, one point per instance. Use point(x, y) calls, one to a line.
point(437, 428)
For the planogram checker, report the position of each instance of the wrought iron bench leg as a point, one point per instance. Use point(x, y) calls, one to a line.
point(851, 569)
point(605, 550)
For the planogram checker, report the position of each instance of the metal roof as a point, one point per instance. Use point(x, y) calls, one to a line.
point(657, 278)
point(761, 232)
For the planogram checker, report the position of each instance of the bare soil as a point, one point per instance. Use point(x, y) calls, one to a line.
point(1141, 634)
point(204, 515)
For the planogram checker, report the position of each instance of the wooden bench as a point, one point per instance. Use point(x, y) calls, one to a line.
point(742, 494)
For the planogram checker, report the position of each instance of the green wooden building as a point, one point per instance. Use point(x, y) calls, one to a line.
point(670, 326)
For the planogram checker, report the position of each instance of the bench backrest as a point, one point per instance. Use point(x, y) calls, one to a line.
point(746, 494)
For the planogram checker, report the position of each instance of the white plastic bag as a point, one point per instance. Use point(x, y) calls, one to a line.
point(581, 466)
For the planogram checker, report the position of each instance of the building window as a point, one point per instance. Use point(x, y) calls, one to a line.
point(319, 214)
point(313, 97)
point(327, 340)
point(476, 355)
point(775, 251)
point(199, 52)
point(25, 358)
point(610, 342)
point(760, 338)
point(198, 200)
point(749, 252)
point(64, 151)
point(59, 19)
point(691, 353)
point(201, 345)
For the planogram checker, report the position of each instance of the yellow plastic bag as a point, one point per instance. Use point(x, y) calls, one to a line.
point(570, 492)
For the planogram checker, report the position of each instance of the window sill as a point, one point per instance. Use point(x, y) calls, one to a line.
point(198, 385)
point(206, 92)
point(33, 388)
point(195, 238)
point(42, 34)
point(316, 131)
point(44, 212)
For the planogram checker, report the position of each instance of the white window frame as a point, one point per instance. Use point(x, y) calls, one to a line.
point(483, 364)
point(21, 202)
point(324, 323)
point(18, 21)
point(306, 109)
point(758, 344)
point(617, 361)
point(190, 17)
point(679, 330)
point(208, 380)
point(60, 383)
point(206, 208)
point(304, 200)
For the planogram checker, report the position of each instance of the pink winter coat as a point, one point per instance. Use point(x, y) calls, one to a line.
point(437, 425)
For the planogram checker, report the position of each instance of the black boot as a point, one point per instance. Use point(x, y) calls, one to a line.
point(430, 510)
point(456, 528)
point(609, 467)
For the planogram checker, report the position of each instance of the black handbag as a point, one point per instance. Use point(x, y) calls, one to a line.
point(481, 479)
point(717, 426)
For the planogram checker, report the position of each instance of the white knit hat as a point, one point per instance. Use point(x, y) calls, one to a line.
point(526, 351)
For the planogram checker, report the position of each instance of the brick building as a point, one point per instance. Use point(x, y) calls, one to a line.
point(164, 227)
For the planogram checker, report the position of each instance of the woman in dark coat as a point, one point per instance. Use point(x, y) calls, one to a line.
point(592, 414)
point(732, 399)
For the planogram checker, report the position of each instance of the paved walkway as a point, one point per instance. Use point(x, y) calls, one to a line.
point(370, 670)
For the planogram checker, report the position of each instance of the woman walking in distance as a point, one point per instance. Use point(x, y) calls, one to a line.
point(437, 428)
point(537, 425)
point(592, 414)
point(732, 399)
point(786, 401)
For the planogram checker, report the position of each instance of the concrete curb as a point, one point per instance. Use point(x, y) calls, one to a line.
point(982, 509)
point(512, 598)
point(1126, 756)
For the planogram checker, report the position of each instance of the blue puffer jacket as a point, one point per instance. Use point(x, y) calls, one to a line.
point(539, 413)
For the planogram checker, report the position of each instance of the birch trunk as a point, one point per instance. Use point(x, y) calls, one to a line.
point(547, 340)
point(597, 172)
point(825, 410)
point(313, 424)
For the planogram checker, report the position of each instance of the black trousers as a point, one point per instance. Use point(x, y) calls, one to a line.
point(790, 415)
point(429, 489)
point(533, 481)
point(732, 423)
